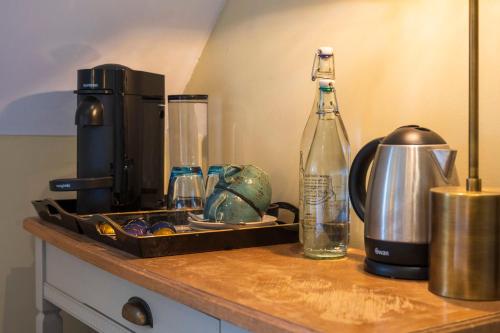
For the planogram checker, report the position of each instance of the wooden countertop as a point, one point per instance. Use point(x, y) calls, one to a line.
point(275, 289)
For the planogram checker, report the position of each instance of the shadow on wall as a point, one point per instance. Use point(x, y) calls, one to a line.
point(62, 58)
point(19, 300)
point(55, 110)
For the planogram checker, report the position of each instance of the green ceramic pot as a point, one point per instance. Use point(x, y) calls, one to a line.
point(242, 194)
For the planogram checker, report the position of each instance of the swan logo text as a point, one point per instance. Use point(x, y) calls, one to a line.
point(381, 252)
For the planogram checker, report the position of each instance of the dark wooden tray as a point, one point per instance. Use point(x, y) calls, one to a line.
point(188, 241)
point(59, 212)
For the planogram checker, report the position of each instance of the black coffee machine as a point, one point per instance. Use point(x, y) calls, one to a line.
point(120, 139)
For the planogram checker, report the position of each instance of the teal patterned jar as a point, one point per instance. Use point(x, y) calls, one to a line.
point(242, 194)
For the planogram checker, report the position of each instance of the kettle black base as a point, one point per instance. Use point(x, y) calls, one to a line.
point(396, 271)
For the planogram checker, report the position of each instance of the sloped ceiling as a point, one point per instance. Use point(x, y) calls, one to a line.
point(43, 43)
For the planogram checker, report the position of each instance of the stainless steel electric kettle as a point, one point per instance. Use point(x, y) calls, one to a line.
point(395, 207)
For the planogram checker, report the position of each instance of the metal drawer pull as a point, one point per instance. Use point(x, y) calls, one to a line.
point(137, 312)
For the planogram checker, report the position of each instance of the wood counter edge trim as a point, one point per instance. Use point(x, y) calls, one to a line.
point(210, 304)
point(466, 325)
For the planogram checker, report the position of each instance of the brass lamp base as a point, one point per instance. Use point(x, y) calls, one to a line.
point(465, 243)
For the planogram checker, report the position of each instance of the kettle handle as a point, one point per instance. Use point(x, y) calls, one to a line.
point(357, 176)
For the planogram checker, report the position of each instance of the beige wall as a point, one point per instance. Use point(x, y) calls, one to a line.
point(398, 62)
point(27, 163)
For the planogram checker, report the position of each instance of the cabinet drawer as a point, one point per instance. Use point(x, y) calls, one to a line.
point(108, 293)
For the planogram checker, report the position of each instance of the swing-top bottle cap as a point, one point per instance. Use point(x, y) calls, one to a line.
point(325, 51)
point(326, 83)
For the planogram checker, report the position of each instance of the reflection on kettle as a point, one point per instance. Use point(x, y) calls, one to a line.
point(395, 207)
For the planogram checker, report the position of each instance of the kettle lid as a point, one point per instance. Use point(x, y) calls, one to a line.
point(413, 135)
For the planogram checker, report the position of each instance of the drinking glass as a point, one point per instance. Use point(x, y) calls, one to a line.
point(212, 178)
point(185, 189)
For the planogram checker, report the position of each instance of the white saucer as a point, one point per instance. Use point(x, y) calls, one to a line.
point(200, 224)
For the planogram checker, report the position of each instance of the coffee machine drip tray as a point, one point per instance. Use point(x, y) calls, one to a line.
point(396, 271)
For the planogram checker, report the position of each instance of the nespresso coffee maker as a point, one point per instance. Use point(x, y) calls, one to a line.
point(120, 138)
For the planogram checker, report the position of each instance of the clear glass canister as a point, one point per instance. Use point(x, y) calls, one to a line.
point(188, 129)
point(188, 146)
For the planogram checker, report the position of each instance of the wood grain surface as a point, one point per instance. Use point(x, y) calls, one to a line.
point(275, 289)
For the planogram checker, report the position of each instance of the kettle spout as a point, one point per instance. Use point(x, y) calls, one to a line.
point(445, 159)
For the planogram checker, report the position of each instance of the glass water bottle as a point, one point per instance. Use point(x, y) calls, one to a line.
point(323, 68)
point(325, 216)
